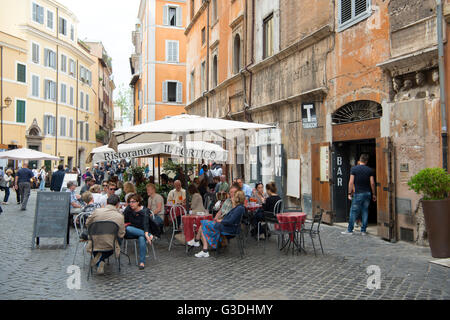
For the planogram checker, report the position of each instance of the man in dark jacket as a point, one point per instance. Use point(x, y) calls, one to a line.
point(57, 179)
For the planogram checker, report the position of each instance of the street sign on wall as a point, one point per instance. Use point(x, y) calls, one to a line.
point(309, 115)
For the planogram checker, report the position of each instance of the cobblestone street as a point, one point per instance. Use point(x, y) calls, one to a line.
point(339, 274)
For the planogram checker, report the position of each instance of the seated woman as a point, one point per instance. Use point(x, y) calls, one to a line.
point(196, 200)
point(87, 210)
point(259, 194)
point(137, 225)
point(210, 231)
point(227, 205)
point(128, 189)
point(99, 198)
point(267, 206)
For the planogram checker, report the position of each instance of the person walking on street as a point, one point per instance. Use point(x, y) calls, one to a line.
point(57, 179)
point(6, 182)
point(361, 189)
point(42, 177)
point(23, 178)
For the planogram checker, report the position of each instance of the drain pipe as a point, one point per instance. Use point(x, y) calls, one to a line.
point(444, 130)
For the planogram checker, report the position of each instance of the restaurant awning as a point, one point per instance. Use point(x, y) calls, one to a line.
point(195, 149)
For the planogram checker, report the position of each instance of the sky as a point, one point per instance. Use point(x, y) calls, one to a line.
point(111, 22)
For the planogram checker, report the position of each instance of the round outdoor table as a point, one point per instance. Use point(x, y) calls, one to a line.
point(188, 224)
point(295, 219)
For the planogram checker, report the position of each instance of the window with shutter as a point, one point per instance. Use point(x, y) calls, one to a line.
point(63, 26)
point(38, 13)
point(172, 16)
point(35, 53)
point(20, 111)
point(353, 11)
point(35, 86)
point(81, 130)
point(71, 128)
point(21, 73)
point(63, 63)
point(50, 19)
point(71, 96)
point(172, 91)
point(63, 93)
point(62, 126)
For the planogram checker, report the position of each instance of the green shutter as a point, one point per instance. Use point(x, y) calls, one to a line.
point(21, 73)
point(20, 111)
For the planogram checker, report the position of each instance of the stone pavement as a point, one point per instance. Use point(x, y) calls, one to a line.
point(339, 274)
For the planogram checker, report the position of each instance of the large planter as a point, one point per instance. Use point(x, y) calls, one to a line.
point(437, 220)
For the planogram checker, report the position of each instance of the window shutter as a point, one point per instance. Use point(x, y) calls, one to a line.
point(21, 73)
point(176, 51)
point(346, 11)
point(87, 102)
point(41, 15)
point(81, 130)
point(35, 86)
point(87, 131)
point(20, 111)
point(71, 128)
point(46, 62)
point(165, 98)
point(360, 7)
point(179, 16)
point(166, 15)
point(168, 43)
point(179, 92)
point(81, 100)
point(35, 14)
point(53, 90)
point(71, 96)
point(35, 57)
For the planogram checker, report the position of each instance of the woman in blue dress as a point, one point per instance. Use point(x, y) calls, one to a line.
point(211, 231)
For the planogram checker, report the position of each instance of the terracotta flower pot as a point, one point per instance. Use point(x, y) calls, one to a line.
point(437, 220)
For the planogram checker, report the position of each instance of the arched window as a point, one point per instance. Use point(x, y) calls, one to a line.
point(214, 72)
point(357, 111)
point(237, 54)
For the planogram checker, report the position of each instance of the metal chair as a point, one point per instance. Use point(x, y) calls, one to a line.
point(177, 224)
point(239, 235)
point(81, 219)
point(316, 221)
point(101, 228)
point(277, 208)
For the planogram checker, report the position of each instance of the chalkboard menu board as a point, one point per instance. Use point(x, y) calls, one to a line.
point(52, 216)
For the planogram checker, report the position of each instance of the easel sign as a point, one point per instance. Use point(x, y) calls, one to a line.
point(51, 218)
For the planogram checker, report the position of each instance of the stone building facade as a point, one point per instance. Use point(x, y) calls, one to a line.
point(338, 78)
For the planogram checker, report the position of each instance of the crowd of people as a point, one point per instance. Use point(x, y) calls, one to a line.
point(102, 189)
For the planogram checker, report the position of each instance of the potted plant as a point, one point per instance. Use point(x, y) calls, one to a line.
point(434, 185)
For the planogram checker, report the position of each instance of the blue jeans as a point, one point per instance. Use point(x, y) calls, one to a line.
point(360, 206)
point(6, 194)
point(133, 232)
point(42, 185)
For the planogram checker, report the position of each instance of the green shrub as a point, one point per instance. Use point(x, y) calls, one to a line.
point(432, 183)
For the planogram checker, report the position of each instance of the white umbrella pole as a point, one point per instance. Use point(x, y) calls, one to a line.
point(185, 172)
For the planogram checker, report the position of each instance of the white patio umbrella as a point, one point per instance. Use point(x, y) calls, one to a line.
point(195, 149)
point(186, 126)
point(26, 154)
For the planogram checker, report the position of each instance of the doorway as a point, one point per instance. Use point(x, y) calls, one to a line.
point(345, 155)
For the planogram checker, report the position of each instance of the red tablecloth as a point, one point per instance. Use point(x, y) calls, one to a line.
point(298, 217)
point(188, 224)
point(253, 208)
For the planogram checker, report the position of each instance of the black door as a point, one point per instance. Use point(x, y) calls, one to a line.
point(341, 174)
